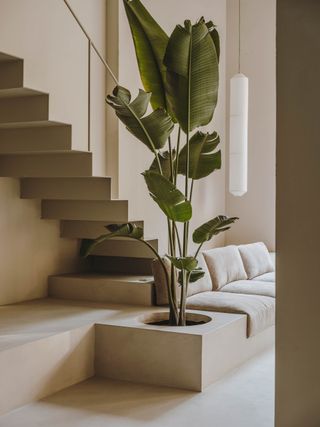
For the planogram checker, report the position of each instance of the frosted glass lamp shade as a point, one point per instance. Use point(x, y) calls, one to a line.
point(238, 148)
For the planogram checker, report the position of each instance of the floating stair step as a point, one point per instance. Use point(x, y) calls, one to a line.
point(126, 248)
point(4, 57)
point(92, 210)
point(23, 105)
point(44, 164)
point(114, 289)
point(11, 71)
point(79, 188)
point(86, 229)
point(34, 136)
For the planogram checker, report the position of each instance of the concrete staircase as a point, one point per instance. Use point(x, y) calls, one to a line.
point(39, 152)
point(48, 345)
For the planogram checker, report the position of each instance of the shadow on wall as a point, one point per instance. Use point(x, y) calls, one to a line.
point(31, 249)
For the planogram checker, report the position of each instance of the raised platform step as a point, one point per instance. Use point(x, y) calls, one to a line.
point(79, 188)
point(86, 229)
point(45, 346)
point(92, 210)
point(44, 164)
point(11, 71)
point(34, 136)
point(115, 289)
point(23, 105)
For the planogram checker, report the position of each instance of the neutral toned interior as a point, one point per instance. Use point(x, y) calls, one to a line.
point(85, 341)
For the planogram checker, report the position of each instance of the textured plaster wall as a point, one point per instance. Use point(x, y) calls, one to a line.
point(258, 61)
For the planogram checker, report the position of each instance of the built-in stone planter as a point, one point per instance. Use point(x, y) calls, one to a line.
point(191, 357)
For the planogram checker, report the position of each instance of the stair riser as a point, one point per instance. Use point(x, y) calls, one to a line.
point(121, 265)
point(35, 139)
point(11, 74)
point(50, 165)
point(86, 229)
point(24, 108)
point(109, 211)
point(125, 248)
point(66, 188)
point(102, 291)
point(40, 368)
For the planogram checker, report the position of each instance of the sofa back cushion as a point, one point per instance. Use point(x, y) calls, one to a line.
point(256, 259)
point(224, 265)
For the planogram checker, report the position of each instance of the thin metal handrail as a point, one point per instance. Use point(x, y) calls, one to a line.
point(92, 43)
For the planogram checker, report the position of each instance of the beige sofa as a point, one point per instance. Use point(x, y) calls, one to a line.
point(238, 279)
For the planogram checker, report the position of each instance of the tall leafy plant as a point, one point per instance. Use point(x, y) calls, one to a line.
point(180, 75)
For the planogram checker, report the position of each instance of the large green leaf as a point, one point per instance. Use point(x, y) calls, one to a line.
point(184, 263)
point(170, 200)
point(195, 275)
point(192, 74)
point(164, 158)
point(150, 43)
point(215, 36)
point(153, 130)
point(211, 228)
point(203, 160)
point(115, 230)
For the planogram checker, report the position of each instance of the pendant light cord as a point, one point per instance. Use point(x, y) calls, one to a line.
point(239, 47)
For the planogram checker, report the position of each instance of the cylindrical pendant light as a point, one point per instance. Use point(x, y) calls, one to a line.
point(238, 141)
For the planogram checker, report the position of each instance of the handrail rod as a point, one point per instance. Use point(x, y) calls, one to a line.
point(92, 43)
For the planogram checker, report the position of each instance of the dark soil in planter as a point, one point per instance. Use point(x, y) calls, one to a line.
point(166, 323)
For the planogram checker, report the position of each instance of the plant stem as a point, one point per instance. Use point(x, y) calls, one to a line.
point(177, 156)
point(171, 159)
point(185, 225)
point(178, 239)
point(191, 190)
point(198, 250)
point(183, 298)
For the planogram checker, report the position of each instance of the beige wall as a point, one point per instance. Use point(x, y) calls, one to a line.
point(209, 195)
point(258, 28)
point(55, 52)
point(298, 212)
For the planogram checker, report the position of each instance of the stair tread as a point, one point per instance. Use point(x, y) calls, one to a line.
point(74, 202)
point(49, 178)
point(40, 123)
point(19, 92)
point(134, 279)
point(4, 57)
point(33, 320)
point(45, 153)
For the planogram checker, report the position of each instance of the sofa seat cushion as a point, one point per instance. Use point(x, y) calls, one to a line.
point(260, 310)
point(225, 265)
point(256, 259)
point(251, 287)
point(267, 277)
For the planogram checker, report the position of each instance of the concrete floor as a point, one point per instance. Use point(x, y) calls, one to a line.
point(244, 398)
